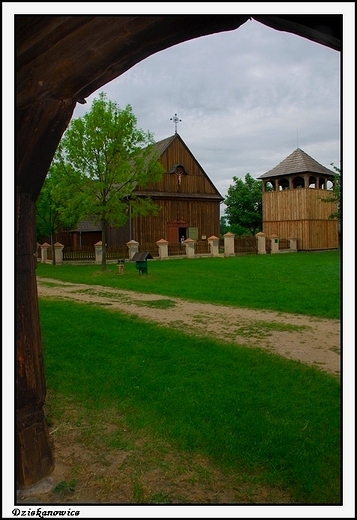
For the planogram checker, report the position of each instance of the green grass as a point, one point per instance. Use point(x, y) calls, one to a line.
point(302, 283)
point(274, 419)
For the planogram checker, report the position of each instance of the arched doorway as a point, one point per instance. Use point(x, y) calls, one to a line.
point(57, 68)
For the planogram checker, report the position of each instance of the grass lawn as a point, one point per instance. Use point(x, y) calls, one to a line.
point(247, 410)
point(272, 420)
point(302, 283)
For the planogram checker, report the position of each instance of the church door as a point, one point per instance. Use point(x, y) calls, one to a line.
point(176, 230)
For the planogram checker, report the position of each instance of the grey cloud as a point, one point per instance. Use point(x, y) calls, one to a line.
point(246, 98)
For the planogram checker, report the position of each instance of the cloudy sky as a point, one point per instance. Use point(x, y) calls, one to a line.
point(246, 99)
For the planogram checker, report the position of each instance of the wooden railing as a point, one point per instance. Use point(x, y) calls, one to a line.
point(176, 250)
point(149, 248)
point(202, 247)
point(268, 245)
point(78, 254)
point(284, 243)
point(117, 252)
point(245, 245)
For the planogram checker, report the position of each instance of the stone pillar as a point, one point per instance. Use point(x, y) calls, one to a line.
point(229, 244)
point(162, 244)
point(274, 244)
point(214, 245)
point(261, 243)
point(293, 244)
point(44, 249)
point(98, 252)
point(190, 247)
point(58, 253)
point(133, 247)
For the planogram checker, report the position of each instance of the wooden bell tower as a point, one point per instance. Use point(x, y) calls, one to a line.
point(293, 205)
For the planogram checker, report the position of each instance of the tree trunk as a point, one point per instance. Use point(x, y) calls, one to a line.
point(53, 249)
point(104, 246)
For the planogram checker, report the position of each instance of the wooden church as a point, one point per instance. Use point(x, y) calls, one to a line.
point(293, 206)
point(189, 205)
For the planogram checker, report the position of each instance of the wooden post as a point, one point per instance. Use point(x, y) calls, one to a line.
point(39, 128)
point(34, 459)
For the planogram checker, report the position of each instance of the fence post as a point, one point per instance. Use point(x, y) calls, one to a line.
point(162, 244)
point(44, 249)
point(58, 253)
point(133, 247)
point(213, 242)
point(190, 247)
point(261, 243)
point(293, 244)
point(229, 244)
point(98, 252)
point(274, 244)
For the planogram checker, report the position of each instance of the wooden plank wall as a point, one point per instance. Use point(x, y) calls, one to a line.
point(302, 214)
point(195, 182)
point(201, 214)
point(310, 234)
point(304, 203)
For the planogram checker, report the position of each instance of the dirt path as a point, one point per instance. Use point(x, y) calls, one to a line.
point(145, 469)
point(309, 340)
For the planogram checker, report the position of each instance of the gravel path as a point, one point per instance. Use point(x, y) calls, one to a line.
point(310, 340)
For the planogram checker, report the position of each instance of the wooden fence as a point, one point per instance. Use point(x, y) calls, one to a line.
point(78, 254)
point(245, 245)
point(242, 245)
point(149, 248)
point(202, 247)
point(284, 243)
point(176, 250)
point(117, 252)
point(268, 245)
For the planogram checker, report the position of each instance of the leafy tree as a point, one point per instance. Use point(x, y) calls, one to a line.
point(244, 205)
point(224, 228)
point(49, 220)
point(335, 195)
point(103, 158)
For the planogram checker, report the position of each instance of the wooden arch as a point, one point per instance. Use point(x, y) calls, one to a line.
point(60, 60)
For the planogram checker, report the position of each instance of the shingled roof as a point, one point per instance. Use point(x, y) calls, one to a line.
point(297, 162)
point(162, 145)
point(88, 225)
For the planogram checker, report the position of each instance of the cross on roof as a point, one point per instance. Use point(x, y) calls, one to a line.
point(176, 120)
